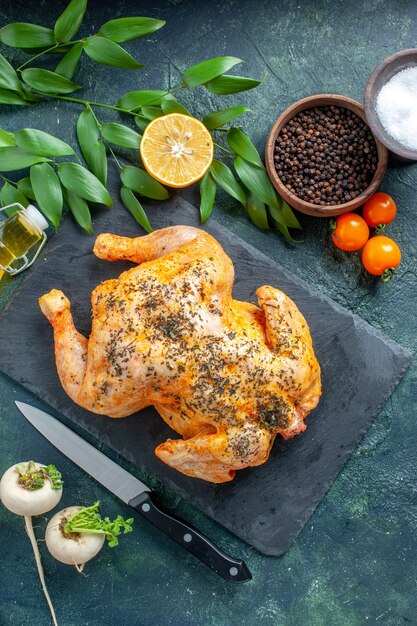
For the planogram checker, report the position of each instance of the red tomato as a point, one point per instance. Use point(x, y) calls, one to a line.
point(351, 232)
point(381, 256)
point(379, 210)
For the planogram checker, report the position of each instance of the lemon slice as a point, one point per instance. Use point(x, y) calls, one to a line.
point(176, 149)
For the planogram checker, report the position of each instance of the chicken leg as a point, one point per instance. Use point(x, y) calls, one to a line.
point(288, 336)
point(141, 249)
point(217, 456)
point(70, 345)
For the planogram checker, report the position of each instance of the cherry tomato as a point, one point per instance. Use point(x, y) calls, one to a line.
point(351, 232)
point(379, 210)
point(381, 256)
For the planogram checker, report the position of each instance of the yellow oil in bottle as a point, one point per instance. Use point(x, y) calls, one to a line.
point(17, 236)
point(6, 257)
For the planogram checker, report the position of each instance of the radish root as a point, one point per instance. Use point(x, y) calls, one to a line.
point(31, 534)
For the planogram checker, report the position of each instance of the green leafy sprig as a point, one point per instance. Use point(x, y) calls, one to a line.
point(49, 180)
point(53, 183)
point(33, 478)
point(89, 520)
point(103, 47)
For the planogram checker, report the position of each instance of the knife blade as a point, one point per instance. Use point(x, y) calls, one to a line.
point(134, 493)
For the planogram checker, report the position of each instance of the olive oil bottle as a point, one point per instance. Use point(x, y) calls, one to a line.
point(19, 233)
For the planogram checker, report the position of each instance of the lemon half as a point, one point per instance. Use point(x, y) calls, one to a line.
point(176, 149)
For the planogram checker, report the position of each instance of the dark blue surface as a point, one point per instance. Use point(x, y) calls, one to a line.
point(355, 562)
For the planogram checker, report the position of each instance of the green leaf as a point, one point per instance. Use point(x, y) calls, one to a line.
point(109, 53)
point(97, 161)
point(222, 117)
point(289, 215)
point(172, 106)
point(39, 142)
point(257, 211)
point(242, 145)
point(224, 177)
point(80, 181)
point(24, 35)
point(8, 76)
point(48, 82)
point(257, 181)
point(28, 95)
point(88, 132)
point(207, 195)
point(6, 138)
point(12, 158)
point(9, 195)
point(48, 192)
point(70, 20)
point(128, 28)
point(11, 97)
point(4, 201)
point(140, 181)
point(224, 85)
point(68, 64)
point(135, 99)
point(136, 209)
point(120, 135)
point(207, 70)
point(151, 113)
point(141, 122)
point(25, 187)
point(79, 208)
point(280, 223)
point(286, 233)
point(88, 135)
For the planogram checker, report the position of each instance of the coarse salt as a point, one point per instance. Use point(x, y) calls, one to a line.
point(396, 106)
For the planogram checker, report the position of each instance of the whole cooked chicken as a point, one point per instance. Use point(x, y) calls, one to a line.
point(227, 376)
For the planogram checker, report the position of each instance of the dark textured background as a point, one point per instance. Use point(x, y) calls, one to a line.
point(266, 506)
point(355, 562)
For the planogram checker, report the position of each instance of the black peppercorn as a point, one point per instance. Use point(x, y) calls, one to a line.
point(328, 155)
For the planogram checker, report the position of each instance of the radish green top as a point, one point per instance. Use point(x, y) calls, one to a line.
point(89, 520)
point(33, 477)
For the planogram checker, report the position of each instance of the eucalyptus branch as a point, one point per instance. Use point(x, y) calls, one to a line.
point(167, 93)
point(224, 149)
point(52, 183)
point(90, 103)
point(37, 56)
point(114, 156)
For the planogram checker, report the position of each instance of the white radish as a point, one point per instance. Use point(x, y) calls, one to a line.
point(76, 534)
point(71, 548)
point(28, 489)
point(23, 501)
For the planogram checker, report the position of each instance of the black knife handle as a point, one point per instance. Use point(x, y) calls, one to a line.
point(191, 539)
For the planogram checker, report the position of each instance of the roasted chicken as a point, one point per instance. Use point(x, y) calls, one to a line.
point(227, 376)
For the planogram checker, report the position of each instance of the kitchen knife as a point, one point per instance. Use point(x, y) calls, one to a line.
point(135, 493)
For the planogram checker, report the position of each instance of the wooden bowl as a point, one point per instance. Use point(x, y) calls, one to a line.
point(307, 207)
point(381, 75)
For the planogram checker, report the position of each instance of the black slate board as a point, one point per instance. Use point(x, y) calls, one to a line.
point(266, 506)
